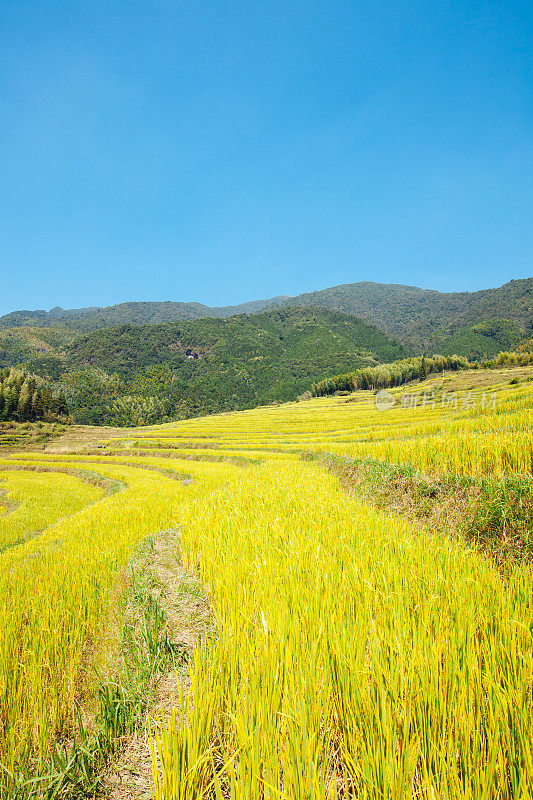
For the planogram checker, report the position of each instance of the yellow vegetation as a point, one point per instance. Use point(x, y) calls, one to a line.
point(353, 656)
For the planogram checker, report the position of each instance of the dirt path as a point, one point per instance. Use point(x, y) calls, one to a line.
point(184, 602)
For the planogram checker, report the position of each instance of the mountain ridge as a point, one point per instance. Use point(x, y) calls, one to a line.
point(421, 319)
point(156, 312)
point(418, 317)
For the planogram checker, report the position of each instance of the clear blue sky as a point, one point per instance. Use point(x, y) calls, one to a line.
point(226, 151)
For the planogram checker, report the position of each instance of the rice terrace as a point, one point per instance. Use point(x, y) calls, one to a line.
point(319, 599)
point(266, 400)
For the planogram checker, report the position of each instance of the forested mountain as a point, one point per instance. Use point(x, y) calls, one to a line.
point(136, 375)
point(41, 349)
point(481, 341)
point(139, 313)
point(422, 319)
point(215, 365)
point(312, 338)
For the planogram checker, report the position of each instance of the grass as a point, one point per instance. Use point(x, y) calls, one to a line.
point(370, 644)
point(494, 513)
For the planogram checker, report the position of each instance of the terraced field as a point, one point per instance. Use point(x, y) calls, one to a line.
point(359, 645)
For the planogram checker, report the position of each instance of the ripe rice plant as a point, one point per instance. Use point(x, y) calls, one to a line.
point(38, 499)
point(355, 656)
point(55, 591)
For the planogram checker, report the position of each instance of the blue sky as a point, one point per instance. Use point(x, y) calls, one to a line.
point(226, 151)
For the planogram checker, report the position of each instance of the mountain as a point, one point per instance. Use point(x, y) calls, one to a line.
point(421, 318)
point(481, 341)
point(42, 350)
point(134, 313)
point(134, 373)
point(212, 365)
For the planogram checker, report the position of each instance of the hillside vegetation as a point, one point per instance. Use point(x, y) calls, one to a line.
point(38, 349)
point(410, 369)
point(423, 320)
point(361, 577)
point(135, 376)
point(139, 376)
point(481, 341)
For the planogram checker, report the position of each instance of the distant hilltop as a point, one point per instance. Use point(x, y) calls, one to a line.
point(132, 313)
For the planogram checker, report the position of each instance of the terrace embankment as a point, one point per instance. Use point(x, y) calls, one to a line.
point(495, 514)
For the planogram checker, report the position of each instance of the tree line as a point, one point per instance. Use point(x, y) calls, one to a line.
point(25, 397)
point(387, 375)
point(93, 397)
point(408, 369)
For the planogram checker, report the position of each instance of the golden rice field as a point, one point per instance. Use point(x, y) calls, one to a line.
point(353, 654)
